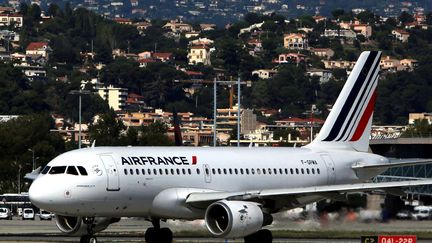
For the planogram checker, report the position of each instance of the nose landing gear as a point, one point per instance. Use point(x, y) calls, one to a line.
point(89, 237)
point(156, 234)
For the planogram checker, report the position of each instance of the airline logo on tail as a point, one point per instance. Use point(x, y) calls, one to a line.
point(356, 111)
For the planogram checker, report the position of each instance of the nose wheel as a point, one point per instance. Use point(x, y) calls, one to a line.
point(89, 237)
point(156, 234)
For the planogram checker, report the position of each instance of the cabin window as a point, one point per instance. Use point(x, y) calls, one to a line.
point(264, 171)
point(230, 171)
point(313, 171)
point(307, 171)
point(57, 170)
point(269, 171)
point(252, 171)
point(247, 171)
point(160, 172)
point(172, 171)
point(178, 171)
point(302, 170)
point(82, 170)
point(45, 170)
point(225, 171)
point(213, 171)
point(292, 171)
point(236, 171)
point(241, 171)
point(219, 171)
point(280, 171)
point(154, 171)
point(275, 171)
point(286, 171)
point(125, 171)
point(149, 171)
point(189, 171)
point(166, 172)
point(318, 171)
point(297, 171)
point(131, 171)
point(259, 171)
point(71, 170)
point(137, 171)
point(198, 171)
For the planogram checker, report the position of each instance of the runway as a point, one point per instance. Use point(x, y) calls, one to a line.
point(132, 230)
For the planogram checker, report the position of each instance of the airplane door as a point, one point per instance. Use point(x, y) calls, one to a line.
point(331, 172)
point(207, 173)
point(113, 180)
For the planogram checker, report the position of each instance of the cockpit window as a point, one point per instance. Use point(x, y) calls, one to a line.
point(71, 170)
point(57, 170)
point(82, 170)
point(45, 170)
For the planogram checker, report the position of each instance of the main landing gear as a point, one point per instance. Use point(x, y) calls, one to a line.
point(89, 237)
point(157, 235)
point(262, 236)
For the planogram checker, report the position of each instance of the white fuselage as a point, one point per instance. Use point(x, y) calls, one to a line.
point(154, 181)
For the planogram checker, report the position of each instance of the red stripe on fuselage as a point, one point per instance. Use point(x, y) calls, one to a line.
point(194, 160)
point(365, 118)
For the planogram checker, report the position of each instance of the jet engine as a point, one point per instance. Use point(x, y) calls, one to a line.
point(76, 226)
point(234, 219)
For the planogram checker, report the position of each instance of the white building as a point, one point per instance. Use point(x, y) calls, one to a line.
point(116, 97)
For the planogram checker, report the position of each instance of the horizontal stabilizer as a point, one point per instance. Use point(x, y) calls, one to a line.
point(33, 175)
point(393, 164)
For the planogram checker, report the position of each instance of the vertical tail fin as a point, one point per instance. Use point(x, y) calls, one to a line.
point(349, 123)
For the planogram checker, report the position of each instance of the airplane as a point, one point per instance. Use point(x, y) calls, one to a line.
point(234, 189)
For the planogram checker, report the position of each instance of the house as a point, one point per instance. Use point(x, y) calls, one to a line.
point(401, 35)
point(389, 64)
point(144, 55)
point(342, 33)
point(38, 48)
point(364, 29)
point(330, 64)
point(420, 116)
point(134, 102)
point(201, 41)
point(319, 18)
point(409, 64)
point(207, 27)
point(142, 26)
point(295, 41)
point(11, 19)
point(163, 56)
point(322, 74)
point(192, 34)
point(178, 27)
point(143, 63)
point(323, 52)
point(290, 58)
point(264, 73)
point(123, 21)
point(199, 54)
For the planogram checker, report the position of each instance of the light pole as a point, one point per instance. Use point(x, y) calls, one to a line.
point(79, 93)
point(33, 160)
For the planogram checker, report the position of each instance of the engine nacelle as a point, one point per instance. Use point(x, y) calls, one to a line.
point(76, 226)
point(234, 219)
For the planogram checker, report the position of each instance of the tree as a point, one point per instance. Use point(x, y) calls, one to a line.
point(16, 137)
point(420, 128)
point(107, 130)
point(337, 13)
point(405, 18)
point(154, 134)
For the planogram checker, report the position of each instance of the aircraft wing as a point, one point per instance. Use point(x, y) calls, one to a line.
point(394, 163)
point(317, 190)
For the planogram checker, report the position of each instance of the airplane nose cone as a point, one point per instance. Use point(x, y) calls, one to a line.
point(37, 194)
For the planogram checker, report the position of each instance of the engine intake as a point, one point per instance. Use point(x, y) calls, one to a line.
point(233, 219)
point(75, 225)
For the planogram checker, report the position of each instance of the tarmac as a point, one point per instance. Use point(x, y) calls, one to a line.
point(132, 230)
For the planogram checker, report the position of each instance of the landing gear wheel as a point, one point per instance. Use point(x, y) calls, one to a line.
point(262, 236)
point(89, 237)
point(157, 235)
point(165, 235)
